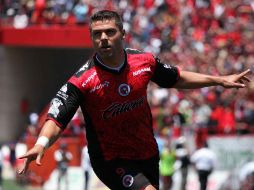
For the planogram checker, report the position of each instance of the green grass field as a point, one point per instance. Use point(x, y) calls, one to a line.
point(12, 185)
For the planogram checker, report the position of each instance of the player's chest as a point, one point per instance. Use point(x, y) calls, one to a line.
point(131, 83)
point(116, 85)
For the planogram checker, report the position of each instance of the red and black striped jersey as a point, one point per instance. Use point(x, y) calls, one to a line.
point(114, 103)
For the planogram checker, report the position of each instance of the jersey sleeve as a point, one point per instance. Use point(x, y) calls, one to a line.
point(165, 75)
point(64, 105)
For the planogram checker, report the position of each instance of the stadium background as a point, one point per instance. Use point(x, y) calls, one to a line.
point(44, 42)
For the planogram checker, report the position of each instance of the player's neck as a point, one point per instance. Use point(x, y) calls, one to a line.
point(113, 62)
point(118, 68)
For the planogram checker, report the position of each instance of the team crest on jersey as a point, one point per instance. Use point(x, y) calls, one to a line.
point(124, 89)
point(127, 181)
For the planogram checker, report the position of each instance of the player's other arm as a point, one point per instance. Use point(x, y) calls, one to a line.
point(191, 80)
point(168, 76)
point(48, 135)
point(62, 109)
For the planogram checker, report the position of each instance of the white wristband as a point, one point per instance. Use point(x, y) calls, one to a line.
point(43, 141)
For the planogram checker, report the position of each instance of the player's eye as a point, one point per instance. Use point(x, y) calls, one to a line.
point(96, 34)
point(111, 32)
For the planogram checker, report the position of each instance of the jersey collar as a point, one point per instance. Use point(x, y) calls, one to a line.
point(98, 63)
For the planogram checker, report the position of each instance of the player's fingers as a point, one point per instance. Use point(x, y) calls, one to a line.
point(30, 154)
point(38, 159)
point(236, 85)
point(21, 170)
point(246, 78)
point(244, 73)
point(239, 85)
point(28, 161)
point(26, 155)
point(241, 81)
point(24, 167)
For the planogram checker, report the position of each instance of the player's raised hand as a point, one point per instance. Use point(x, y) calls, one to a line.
point(35, 153)
point(236, 80)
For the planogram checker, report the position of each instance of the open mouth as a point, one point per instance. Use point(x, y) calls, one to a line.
point(105, 47)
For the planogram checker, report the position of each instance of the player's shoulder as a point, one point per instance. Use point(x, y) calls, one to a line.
point(84, 72)
point(136, 52)
point(133, 51)
point(140, 55)
point(88, 65)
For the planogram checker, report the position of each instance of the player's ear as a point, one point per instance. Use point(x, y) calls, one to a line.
point(123, 33)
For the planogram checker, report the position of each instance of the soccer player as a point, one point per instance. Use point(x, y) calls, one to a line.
point(111, 89)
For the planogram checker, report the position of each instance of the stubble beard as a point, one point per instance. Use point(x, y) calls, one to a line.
point(104, 55)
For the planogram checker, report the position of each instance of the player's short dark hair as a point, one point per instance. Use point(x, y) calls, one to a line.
point(107, 15)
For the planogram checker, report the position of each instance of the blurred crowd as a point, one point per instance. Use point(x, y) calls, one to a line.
point(214, 37)
point(23, 13)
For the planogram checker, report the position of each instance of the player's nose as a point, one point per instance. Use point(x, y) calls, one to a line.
point(104, 36)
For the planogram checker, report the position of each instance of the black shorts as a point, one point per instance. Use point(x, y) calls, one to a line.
point(121, 174)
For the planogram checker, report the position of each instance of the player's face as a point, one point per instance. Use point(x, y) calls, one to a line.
point(107, 38)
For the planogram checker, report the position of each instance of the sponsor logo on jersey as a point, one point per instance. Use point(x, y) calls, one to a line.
point(138, 72)
point(62, 92)
point(124, 89)
point(88, 79)
point(54, 107)
point(116, 108)
point(127, 180)
point(100, 86)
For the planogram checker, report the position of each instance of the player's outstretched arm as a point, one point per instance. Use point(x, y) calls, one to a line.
point(48, 135)
point(191, 80)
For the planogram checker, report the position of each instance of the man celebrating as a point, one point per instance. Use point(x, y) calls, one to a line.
point(111, 89)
